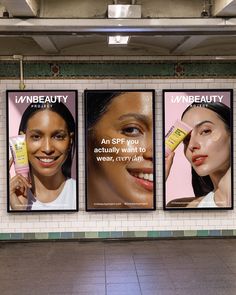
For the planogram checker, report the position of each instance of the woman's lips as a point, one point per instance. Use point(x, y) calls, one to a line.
point(198, 160)
point(47, 161)
point(143, 177)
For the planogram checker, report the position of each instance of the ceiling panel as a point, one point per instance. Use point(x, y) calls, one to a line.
point(81, 27)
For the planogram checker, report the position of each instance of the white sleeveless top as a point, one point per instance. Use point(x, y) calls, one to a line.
point(65, 201)
point(208, 201)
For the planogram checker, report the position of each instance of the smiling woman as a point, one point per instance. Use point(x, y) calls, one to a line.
point(50, 139)
point(119, 159)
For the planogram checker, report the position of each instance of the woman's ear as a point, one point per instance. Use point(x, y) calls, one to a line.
point(71, 138)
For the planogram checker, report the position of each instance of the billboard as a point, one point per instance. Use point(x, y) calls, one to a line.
point(120, 151)
point(42, 150)
point(198, 149)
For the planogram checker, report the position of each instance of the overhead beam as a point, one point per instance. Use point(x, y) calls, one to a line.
point(224, 8)
point(193, 26)
point(188, 44)
point(46, 44)
point(21, 8)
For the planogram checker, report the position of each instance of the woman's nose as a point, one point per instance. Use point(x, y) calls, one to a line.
point(193, 143)
point(148, 149)
point(47, 146)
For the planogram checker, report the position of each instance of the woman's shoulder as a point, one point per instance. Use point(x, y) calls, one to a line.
point(71, 182)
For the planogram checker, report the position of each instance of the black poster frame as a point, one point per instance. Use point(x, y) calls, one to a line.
point(173, 203)
point(39, 99)
point(89, 94)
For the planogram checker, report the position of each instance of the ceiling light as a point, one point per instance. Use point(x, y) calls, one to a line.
point(124, 11)
point(118, 40)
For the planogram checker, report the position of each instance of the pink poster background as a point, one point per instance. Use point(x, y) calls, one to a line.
point(15, 112)
point(178, 184)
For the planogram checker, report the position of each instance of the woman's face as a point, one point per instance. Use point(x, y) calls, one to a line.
point(126, 130)
point(207, 147)
point(48, 142)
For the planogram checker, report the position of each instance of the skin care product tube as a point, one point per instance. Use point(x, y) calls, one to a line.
point(175, 136)
point(19, 153)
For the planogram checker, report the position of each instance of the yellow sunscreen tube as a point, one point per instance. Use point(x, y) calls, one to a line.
point(175, 136)
point(19, 154)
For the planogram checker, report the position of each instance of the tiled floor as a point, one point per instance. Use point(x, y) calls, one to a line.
point(163, 267)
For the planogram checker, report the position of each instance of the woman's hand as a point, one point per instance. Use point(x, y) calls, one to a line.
point(18, 191)
point(169, 161)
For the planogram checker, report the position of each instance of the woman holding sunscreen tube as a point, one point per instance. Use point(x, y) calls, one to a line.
point(207, 148)
point(49, 131)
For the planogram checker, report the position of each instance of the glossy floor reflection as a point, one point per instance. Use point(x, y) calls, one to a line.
point(163, 267)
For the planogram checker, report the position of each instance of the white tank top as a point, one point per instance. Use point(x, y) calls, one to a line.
point(208, 201)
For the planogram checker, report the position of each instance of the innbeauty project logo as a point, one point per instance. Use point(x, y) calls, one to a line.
point(197, 98)
point(41, 98)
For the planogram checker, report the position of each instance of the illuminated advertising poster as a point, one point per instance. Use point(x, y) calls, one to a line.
point(42, 150)
point(120, 165)
point(197, 151)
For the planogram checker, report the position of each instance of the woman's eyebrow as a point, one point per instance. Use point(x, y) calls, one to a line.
point(59, 130)
point(203, 122)
point(40, 131)
point(139, 117)
point(35, 130)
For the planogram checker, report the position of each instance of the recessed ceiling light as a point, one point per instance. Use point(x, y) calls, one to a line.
point(118, 40)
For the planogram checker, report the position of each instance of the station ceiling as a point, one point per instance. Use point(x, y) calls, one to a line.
point(82, 27)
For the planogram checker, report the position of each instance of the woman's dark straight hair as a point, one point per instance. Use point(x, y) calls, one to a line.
point(202, 185)
point(97, 104)
point(61, 109)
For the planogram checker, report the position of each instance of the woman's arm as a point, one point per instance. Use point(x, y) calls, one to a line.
point(168, 163)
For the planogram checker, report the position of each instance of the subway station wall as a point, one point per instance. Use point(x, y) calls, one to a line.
point(84, 224)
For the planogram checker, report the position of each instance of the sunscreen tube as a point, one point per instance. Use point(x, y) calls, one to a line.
point(19, 154)
point(175, 136)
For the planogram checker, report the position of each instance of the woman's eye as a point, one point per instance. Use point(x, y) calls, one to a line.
point(59, 136)
point(131, 131)
point(35, 137)
point(205, 131)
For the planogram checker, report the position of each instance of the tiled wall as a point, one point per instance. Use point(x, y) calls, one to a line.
point(110, 224)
